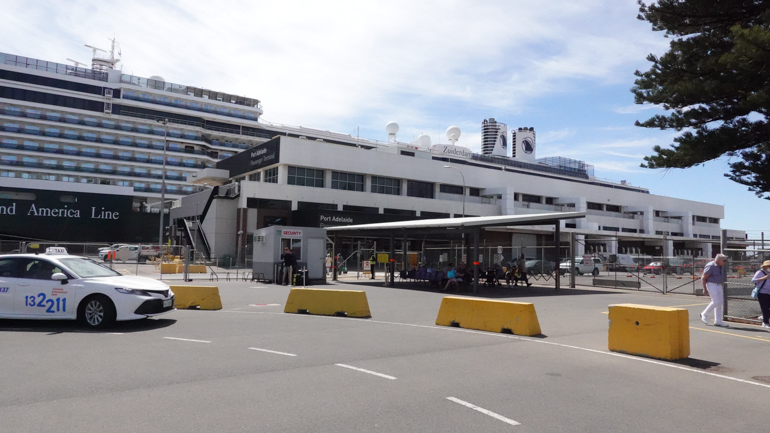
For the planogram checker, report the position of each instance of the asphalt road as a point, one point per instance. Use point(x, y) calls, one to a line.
point(251, 367)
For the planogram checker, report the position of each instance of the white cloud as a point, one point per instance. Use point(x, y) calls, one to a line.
point(554, 136)
point(634, 109)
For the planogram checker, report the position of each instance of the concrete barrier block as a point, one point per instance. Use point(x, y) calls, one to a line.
point(203, 297)
point(168, 268)
point(518, 318)
point(326, 302)
point(196, 269)
point(655, 332)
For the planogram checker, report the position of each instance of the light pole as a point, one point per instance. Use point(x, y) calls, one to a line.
point(461, 174)
point(163, 181)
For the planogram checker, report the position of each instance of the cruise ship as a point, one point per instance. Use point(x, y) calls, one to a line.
point(105, 143)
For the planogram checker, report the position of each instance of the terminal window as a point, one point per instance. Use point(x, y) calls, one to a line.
point(271, 175)
point(386, 185)
point(347, 181)
point(419, 189)
point(306, 177)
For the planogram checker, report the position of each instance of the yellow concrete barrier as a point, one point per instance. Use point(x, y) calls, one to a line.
point(204, 297)
point(193, 269)
point(326, 302)
point(518, 318)
point(656, 332)
point(168, 268)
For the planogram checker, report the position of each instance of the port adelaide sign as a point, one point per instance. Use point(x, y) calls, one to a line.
point(263, 155)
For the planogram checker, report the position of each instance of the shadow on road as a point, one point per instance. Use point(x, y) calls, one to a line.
point(483, 291)
point(53, 327)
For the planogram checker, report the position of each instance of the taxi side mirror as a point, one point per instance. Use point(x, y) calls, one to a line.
point(59, 277)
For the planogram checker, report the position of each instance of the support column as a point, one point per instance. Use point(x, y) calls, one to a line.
point(557, 242)
point(334, 257)
point(476, 235)
point(392, 260)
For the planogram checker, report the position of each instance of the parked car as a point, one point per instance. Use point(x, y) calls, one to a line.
point(536, 267)
point(56, 285)
point(653, 268)
point(583, 265)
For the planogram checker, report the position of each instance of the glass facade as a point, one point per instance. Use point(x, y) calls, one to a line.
point(386, 185)
point(347, 181)
point(271, 175)
point(419, 189)
point(306, 177)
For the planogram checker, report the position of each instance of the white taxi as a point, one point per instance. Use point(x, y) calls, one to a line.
point(60, 286)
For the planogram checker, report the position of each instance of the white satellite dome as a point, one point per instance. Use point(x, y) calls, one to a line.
point(423, 141)
point(391, 128)
point(157, 78)
point(453, 133)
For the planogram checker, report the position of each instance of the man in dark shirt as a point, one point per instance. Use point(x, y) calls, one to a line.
point(289, 264)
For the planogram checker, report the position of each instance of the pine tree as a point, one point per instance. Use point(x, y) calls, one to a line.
point(715, 83)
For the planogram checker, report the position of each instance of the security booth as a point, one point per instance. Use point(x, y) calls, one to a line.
point(307, 243)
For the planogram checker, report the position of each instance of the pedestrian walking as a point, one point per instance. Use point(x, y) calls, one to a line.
point(522, 265)
point(712, 278)
point(372, 264)
point(329, 262)
point(763, 295)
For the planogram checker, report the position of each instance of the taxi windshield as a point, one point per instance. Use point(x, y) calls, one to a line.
point(87, 268)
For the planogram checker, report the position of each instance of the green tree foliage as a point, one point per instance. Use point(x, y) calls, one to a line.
point(715, 83)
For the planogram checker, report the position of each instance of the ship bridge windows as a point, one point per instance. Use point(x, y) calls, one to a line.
point(29, 161)
point(31, 145)
point(88, 166)
point(51, 147)
point(156, 159)
point(31, 113)
point(141, 157)
point(88, 151)
point(126, 126)
point(105, 168)
point(189, 163)
point(11, 111)
point(9, 143)
point(70, 150)
point(52, 132)
point(144, 129)
point(11, 127)
point(53, 116)
point(140, 171)
point(89, 136)
point(124, 170)
point(91, 121)
point(68, 165)
point(141, 142)
point(31, 129)
point(176, 133)
point(126, 141)
point(125, 156)
point(50, 162)
point(174, 147)
point(108, 124)
point(71, 118)
point(107, 138)
point(172, 160)
point(73, 135)
point(157, 145)
point(104, 153)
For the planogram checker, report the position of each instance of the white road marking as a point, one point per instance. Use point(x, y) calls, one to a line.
point(366, 371)
point(514, 337)
point(272, 351)
point(186, 339)
point(484, 411)
point(264, 305)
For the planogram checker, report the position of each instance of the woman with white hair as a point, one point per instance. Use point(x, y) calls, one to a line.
point(763, 295)
point(712, 278)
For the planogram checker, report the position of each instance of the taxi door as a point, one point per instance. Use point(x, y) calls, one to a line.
point(9, 271)
point(37, 295)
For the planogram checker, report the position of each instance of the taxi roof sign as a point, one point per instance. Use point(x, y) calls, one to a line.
point(56, 250)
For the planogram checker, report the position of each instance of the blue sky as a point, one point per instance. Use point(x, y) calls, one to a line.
point(562, 67)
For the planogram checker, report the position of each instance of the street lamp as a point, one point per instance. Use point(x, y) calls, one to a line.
point(461, 174)
point(163, 180)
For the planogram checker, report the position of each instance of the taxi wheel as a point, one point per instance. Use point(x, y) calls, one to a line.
point(97, 312)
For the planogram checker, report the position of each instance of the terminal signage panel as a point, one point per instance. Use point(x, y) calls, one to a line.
point(29, 214)
point(263, 155)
